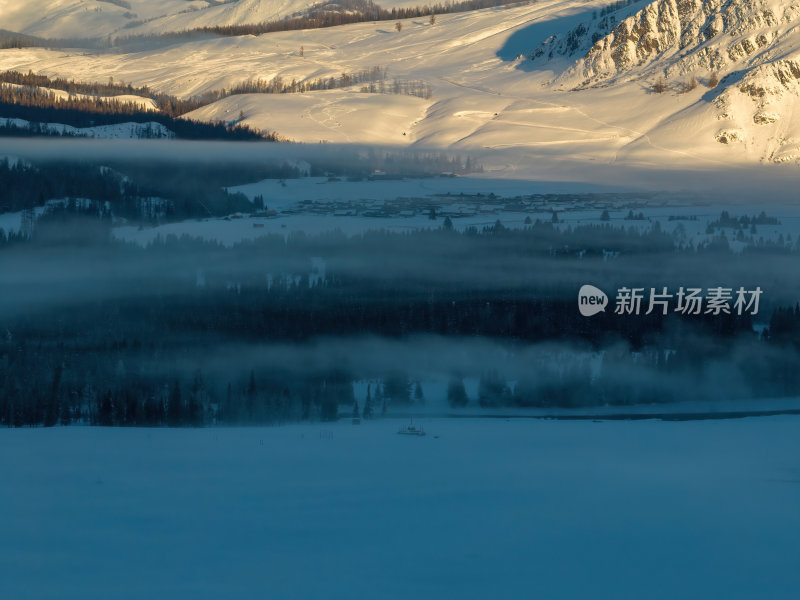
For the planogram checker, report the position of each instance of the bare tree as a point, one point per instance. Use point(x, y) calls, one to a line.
point(659, 86)
point(433, 19)
point(398, 26)
point(713, 81)
point(690, 85)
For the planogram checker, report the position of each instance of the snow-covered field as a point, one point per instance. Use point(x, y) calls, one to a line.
point(314, 205)
point(477, 509)
point(120, 131)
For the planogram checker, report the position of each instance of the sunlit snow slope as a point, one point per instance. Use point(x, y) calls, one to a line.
point(85, 18)
point(97, 18)
point(517, 85)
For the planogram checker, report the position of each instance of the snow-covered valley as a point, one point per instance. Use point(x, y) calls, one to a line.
point(475, 509)
point(286, 236)
point(315, 205)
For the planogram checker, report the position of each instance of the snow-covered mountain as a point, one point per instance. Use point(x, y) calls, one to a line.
point(519, 85)
point(685, 37)
point(745, 51)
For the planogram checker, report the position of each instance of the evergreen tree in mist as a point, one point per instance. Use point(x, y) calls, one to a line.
point(456, 393)
point(419, 396)
point(175, 406)
point(397, 389)
point(493, 390)
point(367, 412)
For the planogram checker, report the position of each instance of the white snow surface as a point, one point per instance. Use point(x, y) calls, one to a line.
point(325, 116)
point(118, 131)
point(514, 112)
point(82, 19)
point(477, 509)
point(314, 205)
point(594, 104)
point(147, 104)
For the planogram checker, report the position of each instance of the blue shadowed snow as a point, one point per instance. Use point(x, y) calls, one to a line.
point(488, 509)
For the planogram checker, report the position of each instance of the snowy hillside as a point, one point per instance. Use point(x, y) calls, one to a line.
point(516, 85)
point(146, 104)
point(121, 131)
point(82, 19)
point(85, 18)
point(239, 12)
point(326, 116)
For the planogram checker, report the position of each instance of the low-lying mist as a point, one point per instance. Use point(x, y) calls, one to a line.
point(75, 261)
point(282, 327)
point(734, 184)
